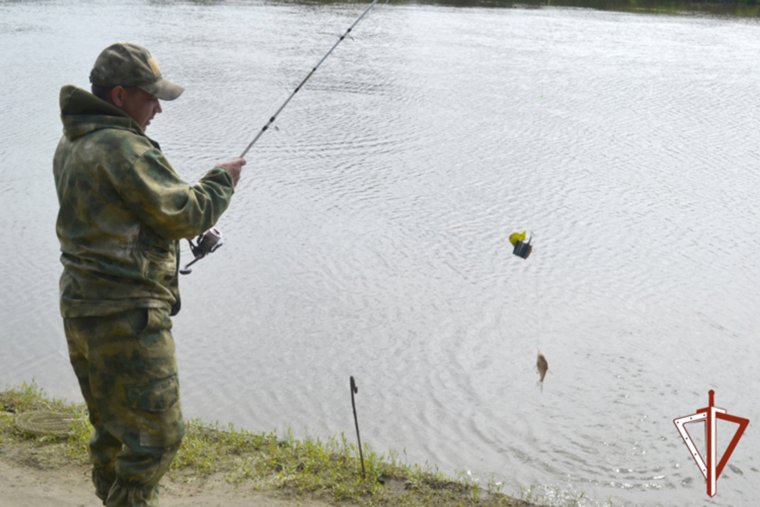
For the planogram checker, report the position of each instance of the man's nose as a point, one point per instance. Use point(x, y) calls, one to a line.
point(158, 107)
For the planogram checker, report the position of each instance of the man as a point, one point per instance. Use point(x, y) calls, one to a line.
point(123, 210)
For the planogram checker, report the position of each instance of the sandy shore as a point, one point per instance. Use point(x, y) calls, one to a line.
point(24, 484)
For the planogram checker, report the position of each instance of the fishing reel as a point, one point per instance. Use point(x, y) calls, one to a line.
point(204, 244)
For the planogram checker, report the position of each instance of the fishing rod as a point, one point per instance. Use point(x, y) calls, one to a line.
point(313, 70)
point(210, 240)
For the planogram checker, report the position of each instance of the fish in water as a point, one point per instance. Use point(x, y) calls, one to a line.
point(542, 365)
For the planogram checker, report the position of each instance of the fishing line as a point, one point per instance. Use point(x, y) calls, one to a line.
point(300, 85)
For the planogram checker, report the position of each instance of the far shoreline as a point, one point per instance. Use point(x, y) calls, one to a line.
point(738, 9)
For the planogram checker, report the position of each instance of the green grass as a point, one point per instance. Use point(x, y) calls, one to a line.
point(284, 466)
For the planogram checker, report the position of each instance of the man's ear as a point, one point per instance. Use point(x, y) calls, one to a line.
point(117, 95)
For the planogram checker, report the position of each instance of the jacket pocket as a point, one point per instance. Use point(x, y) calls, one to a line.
point(160, 264)
point(159, 254)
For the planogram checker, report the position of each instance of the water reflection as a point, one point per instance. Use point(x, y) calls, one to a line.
point(742, 8)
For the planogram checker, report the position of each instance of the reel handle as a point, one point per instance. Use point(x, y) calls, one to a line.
point(206, 243)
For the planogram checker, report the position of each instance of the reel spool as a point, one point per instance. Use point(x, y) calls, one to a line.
point(205, 243)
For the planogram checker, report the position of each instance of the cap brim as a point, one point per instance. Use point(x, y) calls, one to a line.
point(163, 89)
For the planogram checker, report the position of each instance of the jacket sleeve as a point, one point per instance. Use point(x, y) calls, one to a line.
point(174, 209)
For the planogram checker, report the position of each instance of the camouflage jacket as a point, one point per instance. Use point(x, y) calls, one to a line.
point(122, 211)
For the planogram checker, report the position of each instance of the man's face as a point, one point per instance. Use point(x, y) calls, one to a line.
point(138, 104)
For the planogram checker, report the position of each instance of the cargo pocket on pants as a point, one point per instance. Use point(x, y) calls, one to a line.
point(157, 396)
point(157, 410)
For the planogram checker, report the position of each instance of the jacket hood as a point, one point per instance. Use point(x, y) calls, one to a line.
point(83, 112)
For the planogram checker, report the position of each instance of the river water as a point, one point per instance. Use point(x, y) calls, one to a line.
point(369, 235)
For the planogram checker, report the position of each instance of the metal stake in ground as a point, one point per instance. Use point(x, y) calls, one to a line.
point(354, 390)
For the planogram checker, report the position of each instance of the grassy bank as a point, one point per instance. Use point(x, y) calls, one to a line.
point(285, 467)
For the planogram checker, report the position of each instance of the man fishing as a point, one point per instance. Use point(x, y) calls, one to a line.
point(123, 210)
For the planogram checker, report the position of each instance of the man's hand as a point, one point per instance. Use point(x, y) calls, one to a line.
point(233, 168)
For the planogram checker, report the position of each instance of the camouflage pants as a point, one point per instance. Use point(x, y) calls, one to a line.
point(127, 372)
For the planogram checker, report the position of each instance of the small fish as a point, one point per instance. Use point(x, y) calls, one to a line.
point(542, 365)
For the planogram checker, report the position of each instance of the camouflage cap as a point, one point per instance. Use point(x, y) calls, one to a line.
point(132, 65)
